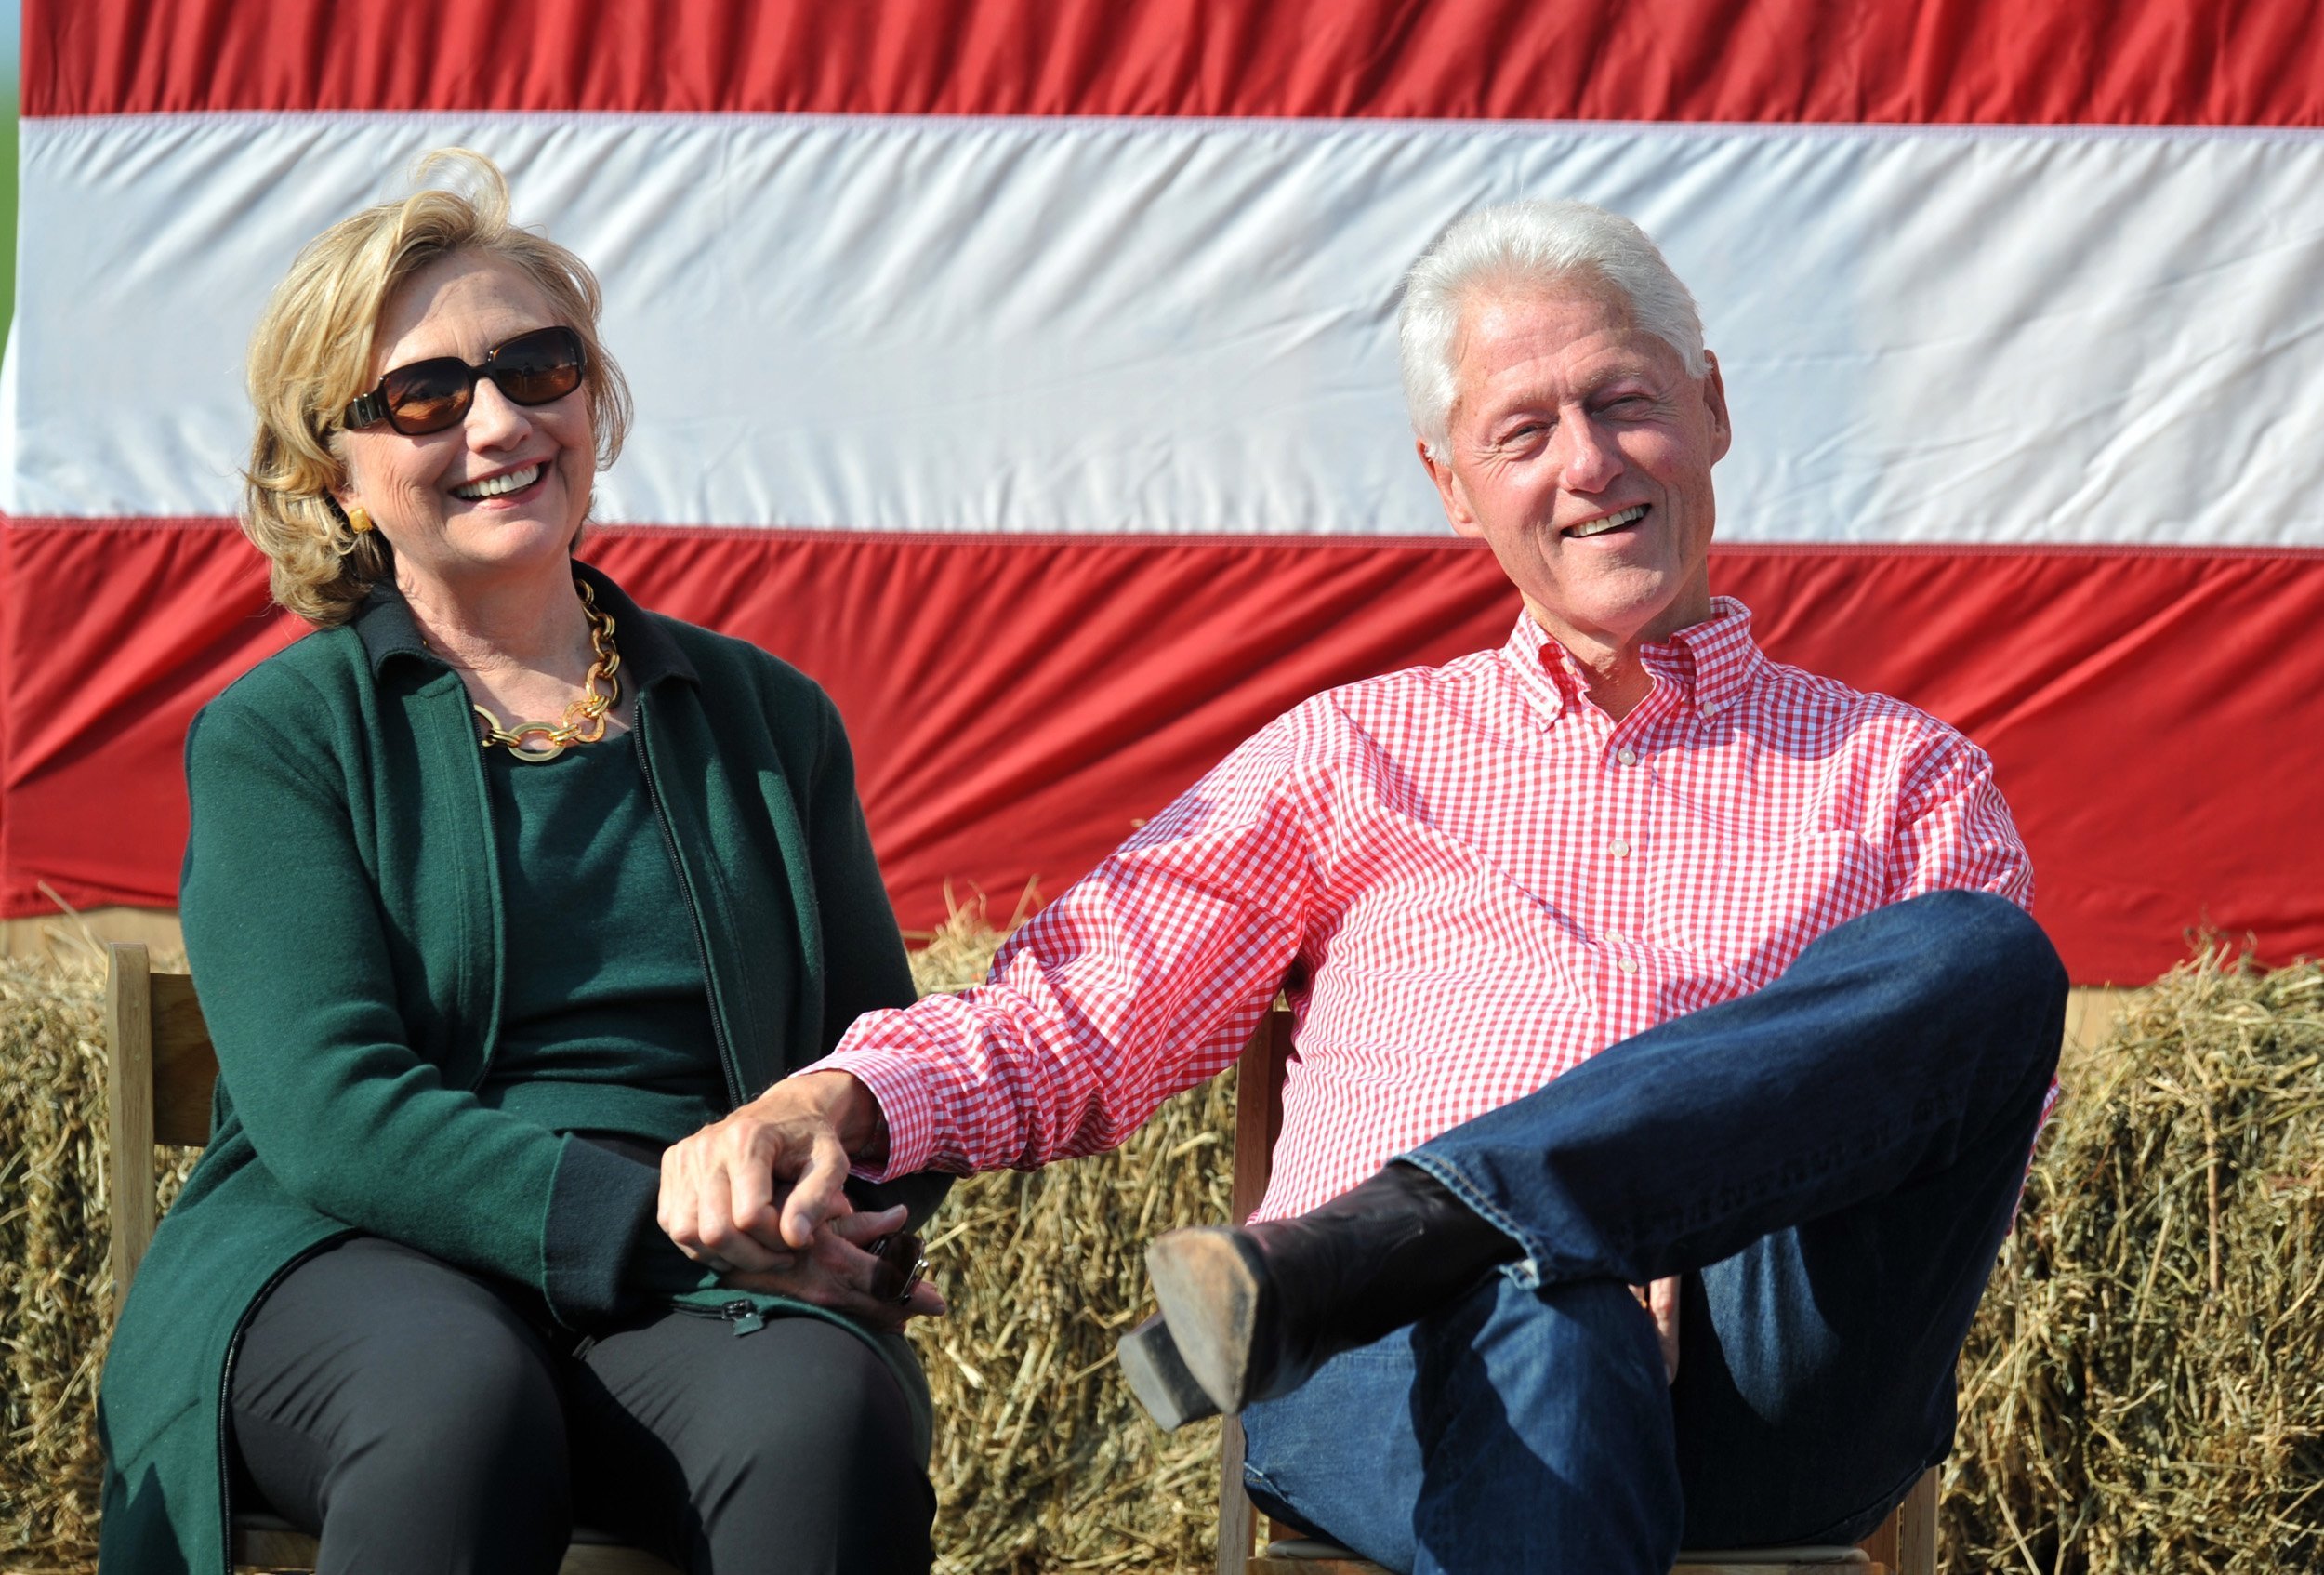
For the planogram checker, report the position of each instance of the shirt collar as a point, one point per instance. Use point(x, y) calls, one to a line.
point(1711, 663)
point(385, 625)
point(1540, 666)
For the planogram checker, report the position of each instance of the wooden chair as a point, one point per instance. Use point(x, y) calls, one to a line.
point(160, 1072)
point(1904, 1544)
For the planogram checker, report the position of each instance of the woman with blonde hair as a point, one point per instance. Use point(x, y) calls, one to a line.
point(496, 886)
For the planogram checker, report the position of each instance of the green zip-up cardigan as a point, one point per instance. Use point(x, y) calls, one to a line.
point(342, 909)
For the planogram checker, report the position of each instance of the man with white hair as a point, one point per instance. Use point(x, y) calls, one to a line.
point(1621, 955)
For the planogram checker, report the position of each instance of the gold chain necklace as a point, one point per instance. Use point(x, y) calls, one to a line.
point(585, 719)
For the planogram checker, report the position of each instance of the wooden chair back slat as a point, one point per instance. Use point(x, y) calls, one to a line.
point(128, 1110)
point(1915, 1525)
point(1258, 1122)
point(1881, 1544)
point(159, 1073)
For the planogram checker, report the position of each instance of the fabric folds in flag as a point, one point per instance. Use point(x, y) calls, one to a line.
point(1024, 371)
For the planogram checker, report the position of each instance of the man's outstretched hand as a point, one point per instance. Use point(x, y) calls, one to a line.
point(749, 1193)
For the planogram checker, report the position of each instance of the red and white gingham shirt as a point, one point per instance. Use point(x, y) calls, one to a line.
point(1475, 880)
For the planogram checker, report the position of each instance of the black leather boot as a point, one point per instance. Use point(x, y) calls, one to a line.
point(1250, 1313)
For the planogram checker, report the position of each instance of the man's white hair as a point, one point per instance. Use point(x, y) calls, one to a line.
point(1528, 246)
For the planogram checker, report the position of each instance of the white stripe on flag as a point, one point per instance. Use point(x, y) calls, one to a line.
point(1186, 326)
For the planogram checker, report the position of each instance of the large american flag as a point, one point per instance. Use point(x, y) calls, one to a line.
point(1024, 371)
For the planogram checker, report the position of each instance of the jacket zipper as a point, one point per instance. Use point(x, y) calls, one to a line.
point(226, 1391)
point(727, 1067)
point(742, 1313)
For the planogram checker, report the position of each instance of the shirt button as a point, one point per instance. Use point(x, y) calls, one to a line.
point(1628, 965)
point(1614, 938)
point(1628, 757)
point(1619, 848)
point(1710, 707)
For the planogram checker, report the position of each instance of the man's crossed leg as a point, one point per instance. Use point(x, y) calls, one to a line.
point(1830, 1163)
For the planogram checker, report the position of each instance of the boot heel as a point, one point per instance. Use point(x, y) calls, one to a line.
point(1150, 1362)
point(1208, 1283)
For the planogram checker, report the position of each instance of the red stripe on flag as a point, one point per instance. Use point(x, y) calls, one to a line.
point(1016, 706)
point(112, 638)
point(2254, 62)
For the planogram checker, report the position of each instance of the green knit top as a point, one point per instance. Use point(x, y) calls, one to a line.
point(606, 1024)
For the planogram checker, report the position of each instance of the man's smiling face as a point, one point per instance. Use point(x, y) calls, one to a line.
point(1579, 450)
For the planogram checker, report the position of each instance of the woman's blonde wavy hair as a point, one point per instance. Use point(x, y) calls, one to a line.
point(311, 354)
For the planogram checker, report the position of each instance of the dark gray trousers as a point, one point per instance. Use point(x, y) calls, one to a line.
point(420, 1423)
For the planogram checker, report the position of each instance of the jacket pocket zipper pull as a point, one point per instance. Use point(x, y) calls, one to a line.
point(744, 1316)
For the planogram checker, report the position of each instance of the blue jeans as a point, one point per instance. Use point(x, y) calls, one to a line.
point(1829, 1163)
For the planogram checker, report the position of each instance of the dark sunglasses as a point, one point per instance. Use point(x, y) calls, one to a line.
point(428, 396)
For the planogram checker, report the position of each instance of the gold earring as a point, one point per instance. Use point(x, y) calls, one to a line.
point(358, 519)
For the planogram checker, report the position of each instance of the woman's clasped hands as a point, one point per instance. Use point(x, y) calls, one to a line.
point(760, 1198)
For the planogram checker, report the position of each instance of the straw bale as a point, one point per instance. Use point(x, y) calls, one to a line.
point(2144, 1386)
point(55, 1287)
point(1043, 1460)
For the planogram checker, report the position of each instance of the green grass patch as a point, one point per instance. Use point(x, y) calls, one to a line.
point(8, 208)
